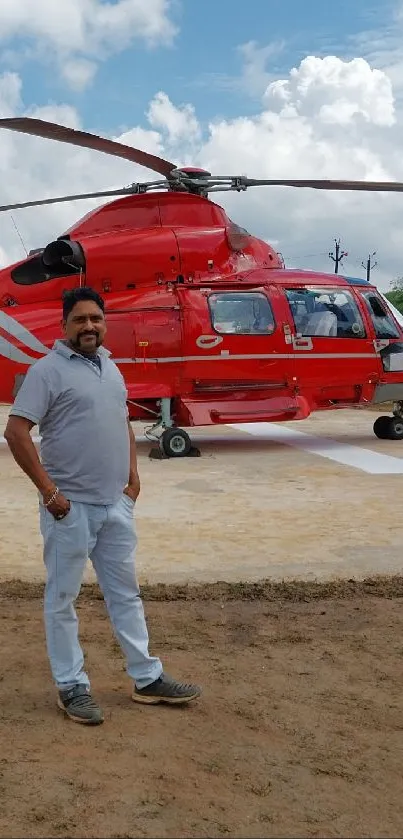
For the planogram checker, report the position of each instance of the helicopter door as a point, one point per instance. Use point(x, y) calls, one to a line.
point(146, 344)
point(237, 365)
point(335, 357)
point(388, 337)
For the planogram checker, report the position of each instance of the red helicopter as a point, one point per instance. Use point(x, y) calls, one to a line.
point(204, 322)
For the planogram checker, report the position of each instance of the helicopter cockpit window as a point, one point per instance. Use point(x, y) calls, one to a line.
point(326, 313)
point(384, 324)
point(245, 313)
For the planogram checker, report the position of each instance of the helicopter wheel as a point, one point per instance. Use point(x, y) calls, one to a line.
point(175, 442)
point(381, 427)
point(389, 428)
point(395, 428)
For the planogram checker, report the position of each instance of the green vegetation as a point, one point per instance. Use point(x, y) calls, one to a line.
point(395, 295)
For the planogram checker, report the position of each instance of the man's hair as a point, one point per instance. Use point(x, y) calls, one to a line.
point(76, 295)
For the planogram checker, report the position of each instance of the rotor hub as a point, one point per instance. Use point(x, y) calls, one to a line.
point(191, 172)
point(190, 179)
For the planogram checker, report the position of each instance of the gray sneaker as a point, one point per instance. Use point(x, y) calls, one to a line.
point(166, 689)
point(79, 705)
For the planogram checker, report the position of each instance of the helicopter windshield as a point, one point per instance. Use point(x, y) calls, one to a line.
point(245, 313)
point(331, 313)
point(383, 323)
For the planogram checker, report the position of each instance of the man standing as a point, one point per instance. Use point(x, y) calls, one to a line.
point(88, 484)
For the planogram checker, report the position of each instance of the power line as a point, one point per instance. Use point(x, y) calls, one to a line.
point(305, 256)
point(337, 258)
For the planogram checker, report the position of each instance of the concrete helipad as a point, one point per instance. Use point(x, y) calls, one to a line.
point(319, 499)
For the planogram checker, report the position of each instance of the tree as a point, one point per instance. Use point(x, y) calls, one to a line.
point(395, 295)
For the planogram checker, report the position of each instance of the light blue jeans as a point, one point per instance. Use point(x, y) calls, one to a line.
point(107, 536)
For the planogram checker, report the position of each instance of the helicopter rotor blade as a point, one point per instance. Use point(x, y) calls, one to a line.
point(220, 183)
point(135, 189)
point(53, 131)
point(359, 186)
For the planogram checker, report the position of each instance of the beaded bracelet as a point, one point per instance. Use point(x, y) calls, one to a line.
point(52, 497)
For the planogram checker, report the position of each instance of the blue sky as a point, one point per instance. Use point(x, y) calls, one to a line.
point(205, 63)
point(338, 114)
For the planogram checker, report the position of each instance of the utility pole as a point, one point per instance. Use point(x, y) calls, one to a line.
point(368, 265)
point(338, 256)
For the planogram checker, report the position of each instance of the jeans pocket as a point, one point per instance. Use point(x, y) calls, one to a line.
point(66, 519)
point(130, 504)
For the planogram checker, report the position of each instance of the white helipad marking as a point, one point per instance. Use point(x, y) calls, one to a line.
point(373, 463)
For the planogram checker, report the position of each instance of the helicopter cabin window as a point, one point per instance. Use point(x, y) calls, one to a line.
point(325, 313)
point(245, 313)
point(383, 323)
point(392, 357)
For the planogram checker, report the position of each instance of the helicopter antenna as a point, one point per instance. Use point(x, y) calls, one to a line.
point(19, 234)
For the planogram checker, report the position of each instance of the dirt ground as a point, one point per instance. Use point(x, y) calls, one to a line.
point(299, 732)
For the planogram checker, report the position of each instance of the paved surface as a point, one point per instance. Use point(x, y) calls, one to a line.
point(248, 508)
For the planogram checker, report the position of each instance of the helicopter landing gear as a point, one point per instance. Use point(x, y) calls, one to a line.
point(390, 428)
point(172, 441)
point(175, 442)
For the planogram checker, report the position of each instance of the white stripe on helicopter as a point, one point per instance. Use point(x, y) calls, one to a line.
point(233, 357)
point(16, 330)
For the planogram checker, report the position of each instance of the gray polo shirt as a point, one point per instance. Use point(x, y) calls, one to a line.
point(82, 415)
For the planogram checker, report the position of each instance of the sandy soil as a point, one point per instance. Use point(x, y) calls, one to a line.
point(299, 732)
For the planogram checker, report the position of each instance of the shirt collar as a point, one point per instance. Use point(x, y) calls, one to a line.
point(63, 348)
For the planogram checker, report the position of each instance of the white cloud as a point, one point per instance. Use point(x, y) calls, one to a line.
point(328, 119)
point(78, 73)
point(179, 125)
point(335, 91)
point(78, 33)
